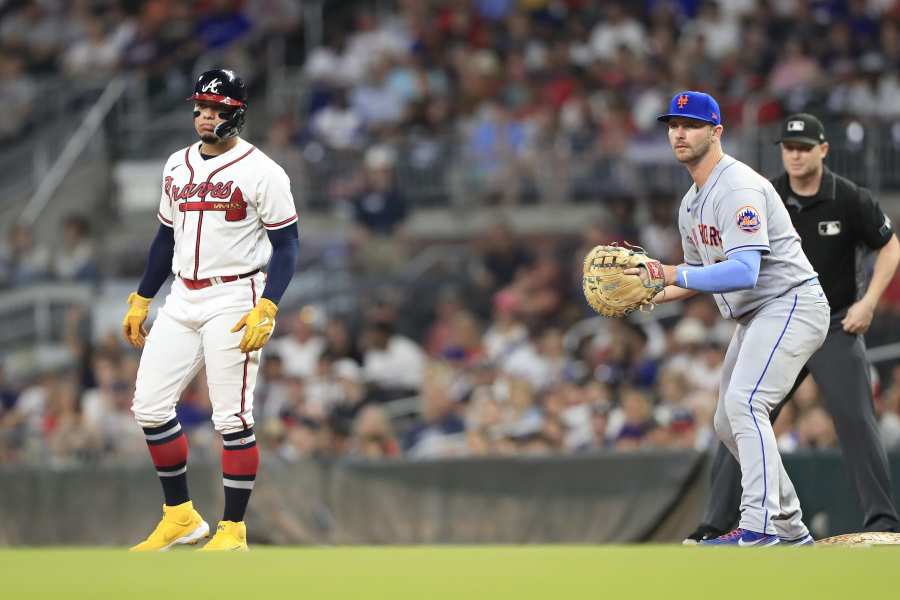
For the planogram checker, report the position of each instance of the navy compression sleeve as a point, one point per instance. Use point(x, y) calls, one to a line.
point(739, 272)
point(159, 262)
point(283, 264)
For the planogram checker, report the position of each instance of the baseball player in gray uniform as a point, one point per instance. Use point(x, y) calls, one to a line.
point(740, 245)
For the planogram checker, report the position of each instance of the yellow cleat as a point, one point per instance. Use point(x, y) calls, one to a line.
point(180, 524)
point(230, 536)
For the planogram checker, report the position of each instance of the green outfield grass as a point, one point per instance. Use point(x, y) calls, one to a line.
point(458, 572)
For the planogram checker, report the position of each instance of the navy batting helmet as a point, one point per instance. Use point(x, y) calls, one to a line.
point(223, 86)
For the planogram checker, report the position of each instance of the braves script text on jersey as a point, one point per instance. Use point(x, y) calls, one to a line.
point(781, 322)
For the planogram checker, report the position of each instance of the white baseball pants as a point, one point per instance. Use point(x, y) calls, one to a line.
point(193, 329)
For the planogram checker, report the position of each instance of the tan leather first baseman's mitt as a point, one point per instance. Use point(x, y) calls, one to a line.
point(612, 293)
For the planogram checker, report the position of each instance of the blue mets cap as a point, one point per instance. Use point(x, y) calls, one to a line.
point(693, 105)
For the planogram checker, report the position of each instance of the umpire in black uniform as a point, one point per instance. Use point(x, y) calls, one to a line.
point(834, 218)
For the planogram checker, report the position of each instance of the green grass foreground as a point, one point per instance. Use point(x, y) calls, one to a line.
point(456, 572)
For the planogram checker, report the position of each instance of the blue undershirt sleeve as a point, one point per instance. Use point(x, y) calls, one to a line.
point(159, 262)
point(739, 272)
point(283, 264)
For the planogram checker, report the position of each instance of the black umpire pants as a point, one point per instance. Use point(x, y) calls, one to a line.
point(841, 371)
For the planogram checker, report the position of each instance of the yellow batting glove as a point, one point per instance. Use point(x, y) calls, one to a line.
point(133, 323)
point(257, 325)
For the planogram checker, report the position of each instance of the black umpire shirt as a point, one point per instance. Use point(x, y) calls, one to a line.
point(841, 217)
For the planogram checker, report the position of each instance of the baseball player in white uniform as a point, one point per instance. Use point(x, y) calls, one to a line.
point(740, 245)
point(226, 215)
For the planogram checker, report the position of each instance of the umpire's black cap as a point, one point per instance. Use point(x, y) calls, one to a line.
point(802, 128)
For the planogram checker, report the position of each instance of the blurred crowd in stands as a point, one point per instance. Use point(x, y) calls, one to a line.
point(531, 99)
point(480, 100)
point(86, 42)
point(25, 260)
point(555, 100)
point(504, 360)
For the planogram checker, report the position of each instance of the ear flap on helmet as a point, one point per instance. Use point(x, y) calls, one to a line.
point(232, 125)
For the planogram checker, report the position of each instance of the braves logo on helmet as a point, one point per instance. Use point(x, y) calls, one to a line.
point(212, 86)
point(220, 86)
point(748, 219)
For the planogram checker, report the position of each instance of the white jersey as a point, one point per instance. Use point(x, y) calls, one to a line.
point(738, 209)
point(221, 207)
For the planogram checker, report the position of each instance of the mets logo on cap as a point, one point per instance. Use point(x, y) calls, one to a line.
point(748, 219)
point(693, 105)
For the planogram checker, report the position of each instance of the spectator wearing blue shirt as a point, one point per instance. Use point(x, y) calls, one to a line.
point(222, 25)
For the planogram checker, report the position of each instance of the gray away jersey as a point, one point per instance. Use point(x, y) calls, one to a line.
point(738, 209)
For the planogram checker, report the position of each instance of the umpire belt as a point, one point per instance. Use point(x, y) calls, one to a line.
point(199, 284)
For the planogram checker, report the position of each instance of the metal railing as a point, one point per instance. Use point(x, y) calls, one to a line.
point(72, 150)
point(32, 315)
point(449, 169)
point(25, 160)
point(442, 171)
point(431, 170)
point(865, 152)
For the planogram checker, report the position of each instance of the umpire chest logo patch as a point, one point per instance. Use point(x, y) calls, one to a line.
point(829, 227)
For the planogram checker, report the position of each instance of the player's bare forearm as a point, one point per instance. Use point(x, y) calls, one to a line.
point(884, 269)
point(671, 293)
point(860, 314)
